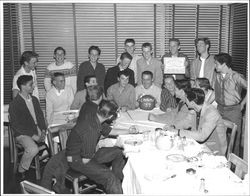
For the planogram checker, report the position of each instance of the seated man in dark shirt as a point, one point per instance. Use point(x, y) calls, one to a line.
point(27, 121)
point(81, 148)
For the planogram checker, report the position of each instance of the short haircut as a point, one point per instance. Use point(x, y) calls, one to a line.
point(204, 83)
point(57, 74)
point(129, 41)
point(27, 55)
point(107, 108)
point(183, 84)
point(175, 40)
point(94, 48)
point(224, 58)
point(23, 80)
point(87, 78)
point(204, 39)
point(166, 76)
point(147, 44)
point(126, 55)
point(59, 48)
point(196, 94)
point(123, 72)
point(147, 73)
point(94, 93)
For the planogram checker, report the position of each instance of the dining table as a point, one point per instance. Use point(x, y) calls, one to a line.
point(185, 168)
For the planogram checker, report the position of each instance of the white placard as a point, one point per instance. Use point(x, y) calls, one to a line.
point(174, 65)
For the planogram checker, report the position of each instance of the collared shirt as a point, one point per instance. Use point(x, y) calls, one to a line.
point(30, 106)
point(228, 89)
point(86, 69)
point(69, 71)
point(132, 65)
point(187, 70)
point(126, 97)
point(153, 90)
point(155, 66)
point(211, 129)
point(167, 100)
point(85, 135)
point(32, 73)
point(58, 102)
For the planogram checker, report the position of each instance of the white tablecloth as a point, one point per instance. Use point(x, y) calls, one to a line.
point(148, 171)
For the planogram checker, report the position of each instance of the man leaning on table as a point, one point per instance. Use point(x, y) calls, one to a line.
point(27, 121)
point(148, 87)
point(211, 129)
point(82, 152)
point(59, 98)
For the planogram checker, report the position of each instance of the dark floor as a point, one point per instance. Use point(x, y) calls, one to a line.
point(11, 184)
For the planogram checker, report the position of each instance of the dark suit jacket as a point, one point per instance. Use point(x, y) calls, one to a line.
point(111, 77)
point(21, 120)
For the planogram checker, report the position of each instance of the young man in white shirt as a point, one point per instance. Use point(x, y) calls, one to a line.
point(59, 98)
point(28, 63)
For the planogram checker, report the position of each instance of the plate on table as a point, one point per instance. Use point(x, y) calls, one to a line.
point(133, 142)
point(176, 157)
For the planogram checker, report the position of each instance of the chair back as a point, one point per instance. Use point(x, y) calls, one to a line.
point(31, 188)
point(241, 167)
point(233, 127)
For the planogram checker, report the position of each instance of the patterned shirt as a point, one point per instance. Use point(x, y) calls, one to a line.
point(228, 89)
point(167, 100)
point(69, 71)
point(126, 97)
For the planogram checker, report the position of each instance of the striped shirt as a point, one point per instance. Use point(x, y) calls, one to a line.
point(85, 135)
point(69, 71)
point(167, 100)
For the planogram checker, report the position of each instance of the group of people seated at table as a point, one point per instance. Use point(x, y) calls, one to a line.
point(188, 101)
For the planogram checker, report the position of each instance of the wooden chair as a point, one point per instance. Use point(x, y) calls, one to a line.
point(241, 167)
point(31, 188)
point(231, 140)
point(75, 177)
point(17, 151)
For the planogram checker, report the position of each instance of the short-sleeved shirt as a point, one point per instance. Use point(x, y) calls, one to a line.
point(21, 72)
point(85, 135)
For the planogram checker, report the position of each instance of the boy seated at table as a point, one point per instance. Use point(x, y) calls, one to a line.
point(122, 92)
point(148, 87)
point(181, 116)
point(59, 98)
point(211, 129)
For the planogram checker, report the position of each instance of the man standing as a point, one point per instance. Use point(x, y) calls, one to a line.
point(63, 66)
point(59, 98)
point(148, 88)
point(28, 65)
point(129, 46)
point(203, 66)
point(228, 86)
point(174, 46)
point(112, 73)
point(122, 92)
point(148, 63)
point(91, 67)
point(27, 121)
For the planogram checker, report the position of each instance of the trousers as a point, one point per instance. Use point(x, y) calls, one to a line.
point(97, 171)
point(30, 151)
